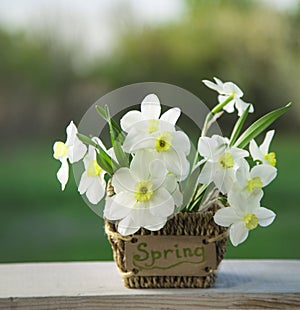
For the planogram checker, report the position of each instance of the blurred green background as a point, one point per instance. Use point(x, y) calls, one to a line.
point(59, 62)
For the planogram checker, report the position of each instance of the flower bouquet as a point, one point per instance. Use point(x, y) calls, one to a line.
point(168, 211)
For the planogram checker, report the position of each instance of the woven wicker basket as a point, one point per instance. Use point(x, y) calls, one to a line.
point(188, 224)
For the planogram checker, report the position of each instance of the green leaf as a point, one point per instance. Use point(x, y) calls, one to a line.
point(238, 126)
point(259, 126)
point(101, 112)
point(117, 132)
point(103, 159)
point(104, 164)
point(190, 186)
point(86, 140)
point(121, 156)
point(221, 105)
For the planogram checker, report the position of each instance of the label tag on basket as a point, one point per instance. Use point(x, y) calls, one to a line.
point(170, 256)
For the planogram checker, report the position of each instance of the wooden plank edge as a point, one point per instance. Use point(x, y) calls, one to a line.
point(176, 301)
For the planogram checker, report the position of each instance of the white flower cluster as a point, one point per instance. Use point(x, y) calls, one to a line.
point(147, 190)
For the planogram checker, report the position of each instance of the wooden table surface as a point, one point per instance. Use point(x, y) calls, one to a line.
point(241, 284)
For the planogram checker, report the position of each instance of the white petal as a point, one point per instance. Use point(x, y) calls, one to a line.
point(170, 183)
point(212, 147)
point(238, 233)
point(99, 142)
point(177, 197)
point(158, 172)
point(255, 151)
point(127, 226)
point(224, 179)
point(63, 173)
point(161, 203)
point(267, 141)
point(230, 87)
point(140, 164)
point(144, 218)
point(229, 107)
point(96, 190)
point(176, 163)
point(71, 133)
point(166, 126)
point(226, 217)
point(266, 173)
point(123, 181)
point(84, 183)
point(238, 153)
point(171, 115)
point(213, 86)
point(157, 224)
point(241, 106)
point(265, 216)
point(136, 141)
point(243, 173)
point(245, 203)
point(129, 119)
point(207, 173)
point(219, 82)
point(181, 142)
point(76, 151)
point(150, 107)
point(206, 146)
point(119, 206)
point(90, 156)
point(254, 201)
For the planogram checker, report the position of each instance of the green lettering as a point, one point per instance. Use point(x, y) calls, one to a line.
point(187, 252)
point(200, 252)
point(166, 252)
point(177, 251)
point(154, 256)
point(138, 257)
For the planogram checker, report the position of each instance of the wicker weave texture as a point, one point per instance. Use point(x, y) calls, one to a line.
point(184, 223)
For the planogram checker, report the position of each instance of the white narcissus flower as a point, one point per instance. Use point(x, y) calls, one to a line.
point(92, 181)
point(150, 111)
point(243, 215)
point(73, 150)
point(142, 196)
point(165, 143)
point(249, 181)
point(261, 152)
point(221, 162)
point(225, 90)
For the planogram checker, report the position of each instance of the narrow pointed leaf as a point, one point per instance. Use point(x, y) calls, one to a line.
point(259, 126)
point(86, 140)
point(103, 159)
point(190, 186)
point(101, 112)
point(122, 157)
point(117, 130)
point(104, 164)
point(238, 126)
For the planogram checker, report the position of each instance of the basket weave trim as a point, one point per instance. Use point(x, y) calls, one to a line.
point(184, 223)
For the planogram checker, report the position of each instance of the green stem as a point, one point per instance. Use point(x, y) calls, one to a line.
point(221, 105)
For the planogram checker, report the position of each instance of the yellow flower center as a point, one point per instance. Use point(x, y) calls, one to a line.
point(254, 183)
point(271, 158)
point(250, 221)
point(152, 125)
point(143, 191)
point(163, 141)
point(226, 161)
point(60, 149)
point(93, 169)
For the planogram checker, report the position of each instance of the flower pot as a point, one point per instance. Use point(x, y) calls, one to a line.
point(185, 253)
